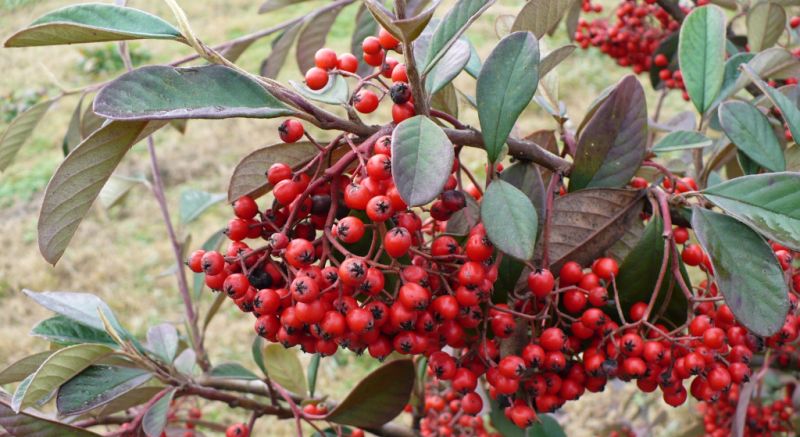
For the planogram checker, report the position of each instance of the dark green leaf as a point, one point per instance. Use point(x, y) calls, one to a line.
point(752, 133)
point(638, 276)
point(526, 177)
point(775, 63)
point(746, 271)
point(612, 144)
point(451, 27)
point(92, 22)
point(313, 37)
point(249, 176)
point(450, 64)
point(59, 368)
point(508, 273)
point(552, 59)
point(280, 50)
point(96, 386)
point(155, 419)
point(682, 140)
point(586, 223)
point(283, 366)
point(20, 369)
point(766, 22)
point(539, 16)
point(130, 399)
point(788, 108)
point(258, 355)
point(78, 180)
point(19, 131)
point(506, 84)
point(313, 368)
point(747, 165)
point(766, 202)
point(336, 92)
point(160, 92)
point(162, 340)
point(232, 371)
point(422, 157)
point(510, 219)
point(65, 331)
point(34, 424)
point(378, 398)
point(194, 203)
point(701, 52)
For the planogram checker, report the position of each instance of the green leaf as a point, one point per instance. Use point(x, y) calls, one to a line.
point(280, 50)
point(336, 92)
point(775, 63)
point(788, 108)
point(258, 355)
point(34, 424)
point(313, 368)
point(78, 180)
point(186, 362)
point(585, 224)
point(313, 36)
point(766, 22)
point(65, 331)
point(159, 92)
point(747, 165)
point(539, 16)
point(752, 133)
point(232, 371)
point(116, 188)
point(97, 386)
point(506, 84)
point(422, 157)
point(766, 202)
point(249, 178)
point(611, 147)
point(92, 22)
point(526, 177)
point(274, 5)
point(446, 100)
point(406, 29)
point(20, 369)
point(284, 367)
point(133, 398)
point(73, 135)
point(638, 275)
point(56, 370)
point(682, 140)
point(746, 271)
point(155, 419)
point(378, 398)
point(80, 307)
point(194, 202)
point(451, 27)
point(701, 53)
point(450, 64)
point(20, 130)
point(163, 341)
point(552, 59)
point(510, 219)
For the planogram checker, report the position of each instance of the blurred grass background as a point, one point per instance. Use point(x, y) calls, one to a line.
point(122, 254)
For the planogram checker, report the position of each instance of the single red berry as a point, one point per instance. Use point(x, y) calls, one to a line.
point(692, 255)
point(371, 45)
point(399, 73)
point(397, 241)
point(195, 260)
point(212, 263)
point(291, 130)
point(245, 207)
point(237, 430)
point(541, 282)
point(571, 273)
point(278, 172)
point(347, 62)
point(316, 78)
point(366, 101)
point(402, 112)
point(350, 229)
point(326, 59)
point(379, 209)
point(661, 60)
point(386, 39)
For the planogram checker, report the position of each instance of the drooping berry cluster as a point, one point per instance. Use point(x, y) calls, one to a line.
point(767, 418)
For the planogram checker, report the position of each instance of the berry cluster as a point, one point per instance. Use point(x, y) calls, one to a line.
point(632, 40)
point(450, 413)
point(339, 260)
point(769, 418)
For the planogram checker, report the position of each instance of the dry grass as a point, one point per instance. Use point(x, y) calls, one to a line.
point(120, 254)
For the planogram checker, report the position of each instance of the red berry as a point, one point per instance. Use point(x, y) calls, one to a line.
point(237, 430)
point(399, 73)
point(386, 39)
point(371, 45)
point(397, 241)
point(401, 112)
point(365, 101)
point(278, 172)
point(347, 62)
point(291, 130)
point(316, 78)
point(541, 282)
point(325, 58)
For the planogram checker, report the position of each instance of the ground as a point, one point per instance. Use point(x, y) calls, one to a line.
point(123, 255)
